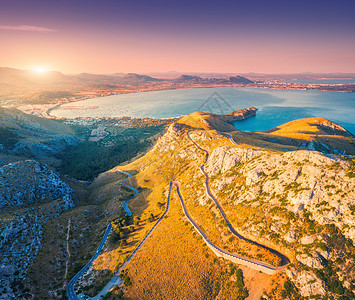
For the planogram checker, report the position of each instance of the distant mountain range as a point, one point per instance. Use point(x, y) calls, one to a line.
point(197, 79)
point(15, 76)
point(11, 75)
point(23, 87)
point(18, 87)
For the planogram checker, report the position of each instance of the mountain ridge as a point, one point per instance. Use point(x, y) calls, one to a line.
point(274, 187)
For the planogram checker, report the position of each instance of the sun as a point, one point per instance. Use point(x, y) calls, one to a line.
point(39, 70)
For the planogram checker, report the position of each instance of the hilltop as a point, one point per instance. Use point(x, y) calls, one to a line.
point(139, 77)
point(316, 134)
point(287, 191)
point(210, 121)
point(311, 133)
point(310, 128)
point(24, 136)
point(294, 200)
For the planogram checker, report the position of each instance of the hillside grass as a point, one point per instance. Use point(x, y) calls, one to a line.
point(175, 263)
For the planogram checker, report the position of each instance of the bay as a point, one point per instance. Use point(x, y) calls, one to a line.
point(275, 107)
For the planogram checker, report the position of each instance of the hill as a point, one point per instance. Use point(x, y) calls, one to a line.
point(239, 79)
point(310, 134)
point(30, 195)
point(183, 78)
point(138, 77)
point(28, 136)
point(310, 128)
point(296, 201)
point(201, 80)
point(210, 121)
point(25, 77)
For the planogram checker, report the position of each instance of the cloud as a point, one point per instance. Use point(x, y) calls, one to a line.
point(27, 28)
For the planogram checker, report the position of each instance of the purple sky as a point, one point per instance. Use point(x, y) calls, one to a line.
point(188, 36)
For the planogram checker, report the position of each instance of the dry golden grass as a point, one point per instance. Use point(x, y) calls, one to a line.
point(207, 121)
point(307, 128)
point(208, 217)
point(295, 134)
point(175, 263)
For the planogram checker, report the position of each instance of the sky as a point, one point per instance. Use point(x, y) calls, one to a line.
point(109, 36)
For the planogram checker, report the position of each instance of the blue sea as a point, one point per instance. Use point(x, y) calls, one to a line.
point(275, 107)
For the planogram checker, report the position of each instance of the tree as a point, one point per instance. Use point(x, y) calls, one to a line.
point(151, 218)
point(136, 221)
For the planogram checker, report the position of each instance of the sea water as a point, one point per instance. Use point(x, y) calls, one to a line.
point(275, 107)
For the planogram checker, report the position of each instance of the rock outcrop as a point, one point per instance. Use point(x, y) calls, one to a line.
point(30, 195)
point(29, 182)
point(30, 136)
point(295, 192)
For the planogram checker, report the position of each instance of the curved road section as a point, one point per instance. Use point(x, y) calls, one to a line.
point(116, 280)
point(251, 263)
point(284, 259)
point(127, 210)
point(70, 287)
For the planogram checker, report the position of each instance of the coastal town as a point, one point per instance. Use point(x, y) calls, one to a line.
point(39, 94)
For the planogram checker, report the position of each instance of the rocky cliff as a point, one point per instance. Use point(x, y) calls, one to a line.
point(30, 136)
point(299, 200)
point(30, 194)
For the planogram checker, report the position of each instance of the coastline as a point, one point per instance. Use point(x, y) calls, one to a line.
point(38, 109)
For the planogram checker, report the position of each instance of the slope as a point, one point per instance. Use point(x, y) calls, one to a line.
point(284, 200)
point(311, 134)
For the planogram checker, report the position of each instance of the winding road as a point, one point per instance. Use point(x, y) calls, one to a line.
point(285, 260)
point(127, 210)
point(116, 280)
point(70, 287)
point(252, 263)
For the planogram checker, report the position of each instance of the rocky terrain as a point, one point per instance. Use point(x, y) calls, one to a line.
point(300, 202)
point(305, 201)
point(29, 136)
point(30, 195)
point(26, 183)
point(291, 189)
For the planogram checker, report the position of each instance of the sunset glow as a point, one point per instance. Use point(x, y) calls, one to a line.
point(40, 70)
point(159, 36)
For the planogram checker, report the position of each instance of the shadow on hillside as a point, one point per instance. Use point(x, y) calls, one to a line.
point(323, 143)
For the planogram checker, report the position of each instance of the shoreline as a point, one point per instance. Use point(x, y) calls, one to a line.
point(45, 110)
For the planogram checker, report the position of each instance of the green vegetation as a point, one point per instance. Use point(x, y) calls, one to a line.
point(88, 159)
point(119, 228)
point(290, 291)
point(151, 218)
point(126, 279)
point(8, 138)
